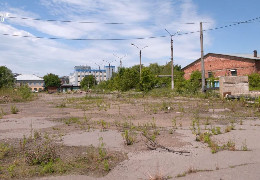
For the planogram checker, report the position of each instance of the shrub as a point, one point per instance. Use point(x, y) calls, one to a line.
point(25, 92)
point(41, 154)
point(14, 109)
point(4, 150)
point(254, 81)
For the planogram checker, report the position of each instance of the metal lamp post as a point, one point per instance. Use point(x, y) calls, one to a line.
point(140, 57)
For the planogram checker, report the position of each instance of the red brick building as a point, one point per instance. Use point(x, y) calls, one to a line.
point(225, 65)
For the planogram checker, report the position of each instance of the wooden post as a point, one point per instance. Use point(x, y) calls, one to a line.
point(202, 59)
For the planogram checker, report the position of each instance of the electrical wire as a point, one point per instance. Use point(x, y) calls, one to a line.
point(63, 21)
point(140, 38)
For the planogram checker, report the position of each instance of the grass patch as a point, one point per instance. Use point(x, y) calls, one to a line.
point(42, 157)
point(14, 109)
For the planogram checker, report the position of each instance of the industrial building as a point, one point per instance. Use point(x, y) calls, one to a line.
point(81, 71)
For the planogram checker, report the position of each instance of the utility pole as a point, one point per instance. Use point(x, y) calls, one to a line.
point(140, 58)
point(140, 65)
point(202, 59)
point(172, 67)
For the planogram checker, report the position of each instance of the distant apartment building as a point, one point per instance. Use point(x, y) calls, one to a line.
point(34, 82)
point(81, 71)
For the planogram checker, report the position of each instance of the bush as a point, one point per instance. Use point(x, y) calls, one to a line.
point(148, 80)
point(14, 109)
point(254, 81)
point(25, 92)
point(41, 154)
point(20, 94)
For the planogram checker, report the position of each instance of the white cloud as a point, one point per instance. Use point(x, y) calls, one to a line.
point(141, 18)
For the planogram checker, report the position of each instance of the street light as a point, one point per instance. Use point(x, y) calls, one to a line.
point(120, 59)
point(172, 54)
point(140, 57)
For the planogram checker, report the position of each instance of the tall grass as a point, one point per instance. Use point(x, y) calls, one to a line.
point(20, 94)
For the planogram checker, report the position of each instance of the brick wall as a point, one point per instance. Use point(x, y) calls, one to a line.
point(258, 66)
point(220, 65)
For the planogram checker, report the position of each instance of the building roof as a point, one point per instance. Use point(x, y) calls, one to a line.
point(245, 56)
point(28, 77)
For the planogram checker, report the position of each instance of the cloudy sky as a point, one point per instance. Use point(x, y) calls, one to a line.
point(135, 19)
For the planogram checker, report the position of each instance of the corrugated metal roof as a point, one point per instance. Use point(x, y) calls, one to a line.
point(28, 77)
point(248, 56)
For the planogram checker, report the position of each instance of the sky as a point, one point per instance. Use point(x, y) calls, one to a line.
point(120, 19)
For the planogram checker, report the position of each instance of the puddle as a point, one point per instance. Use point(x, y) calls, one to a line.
point(112, 139)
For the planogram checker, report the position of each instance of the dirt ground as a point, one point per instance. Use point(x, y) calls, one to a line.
point(169, 134)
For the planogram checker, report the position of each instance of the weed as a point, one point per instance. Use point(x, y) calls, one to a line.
point(4, 150)
point(106, 165)
point(216, 130)
point(14, 109)
point(129, 137)
point(101, 150)
point(23, 143)
point(36, 135)
point(61, 105)
point(244, 146)
point(207, 121)
point(11, 171)
point(231, 146)
point(2, 113)
point(174, 124)
point(104, 125)
point(71, 120)
point(41, 154)
point(48, 168)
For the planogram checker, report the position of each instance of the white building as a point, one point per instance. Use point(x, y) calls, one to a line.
point(81, 71)
point(34, 82)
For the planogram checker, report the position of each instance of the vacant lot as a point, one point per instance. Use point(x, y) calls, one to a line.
point(129, 136)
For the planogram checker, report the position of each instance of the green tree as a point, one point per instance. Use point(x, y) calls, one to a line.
point(52, 80)
point(194, 84)
point(254, 81)
point(155, 68)
point(148, 80)
point(126, 79)
point(6, 77)
point(88, 82)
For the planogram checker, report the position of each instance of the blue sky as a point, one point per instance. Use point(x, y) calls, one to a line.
point(141, 18)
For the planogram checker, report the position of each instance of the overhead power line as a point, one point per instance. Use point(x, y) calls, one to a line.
point(140, 38)
point(63, 21)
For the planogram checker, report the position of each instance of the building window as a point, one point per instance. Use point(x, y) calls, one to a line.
point(210, 74)
point(233, 72)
